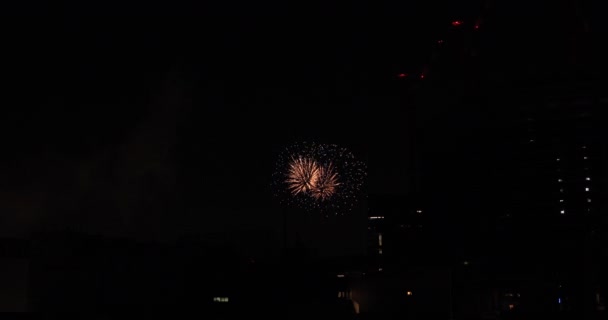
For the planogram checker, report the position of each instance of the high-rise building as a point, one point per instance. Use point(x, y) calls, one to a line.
point(395, 227)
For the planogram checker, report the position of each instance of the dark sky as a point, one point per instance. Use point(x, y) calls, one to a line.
point(158, 120)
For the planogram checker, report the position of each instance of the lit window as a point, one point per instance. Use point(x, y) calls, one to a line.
point(380, 239)
point(588, 179)
point(585, 158)
point(379, 269)
point(561, 200)
point(409, 293)
point(559, 180)
point(456, 23)
point(557, 159)
point(588, 200)
point(466, 263)
point(511, 306)
point(584, 147)
point(562, 211)
point(561, 190)
point(220, 299)
point(559, 300)
point(340, 276)
point(376, 217)
point(587, 189)
point(418, 211)
point(380, 251)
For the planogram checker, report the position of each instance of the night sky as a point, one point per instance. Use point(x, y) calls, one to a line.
point(156, 121)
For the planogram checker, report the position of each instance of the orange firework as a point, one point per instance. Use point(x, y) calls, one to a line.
point(316, 176)
point(302, 175)
point(325, 182)
point(307, 176)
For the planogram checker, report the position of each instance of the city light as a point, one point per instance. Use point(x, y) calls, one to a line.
point(220, 299)
point(456, 23)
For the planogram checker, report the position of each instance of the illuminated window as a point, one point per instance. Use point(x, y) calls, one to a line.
point(587, 189)
point(379, 269)
point(561, 200)
point(340, 276)
point(418, 211)
point(562, 211)
point(588, 179)
point(561, 190)
point(402, 75)
point(466, 263)
point(376, 218)
point(380, 239)
point(409, 293)
point(220, 299)
point(557, 159)
point(379, 251)
point(511, 306)
point(585, 158)
point(560, 180)
point(588, 200)
point(456, 23)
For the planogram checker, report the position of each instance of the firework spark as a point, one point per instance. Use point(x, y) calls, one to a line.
point(320, 177)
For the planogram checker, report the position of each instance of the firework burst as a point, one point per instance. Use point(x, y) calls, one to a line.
point(319, 177)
